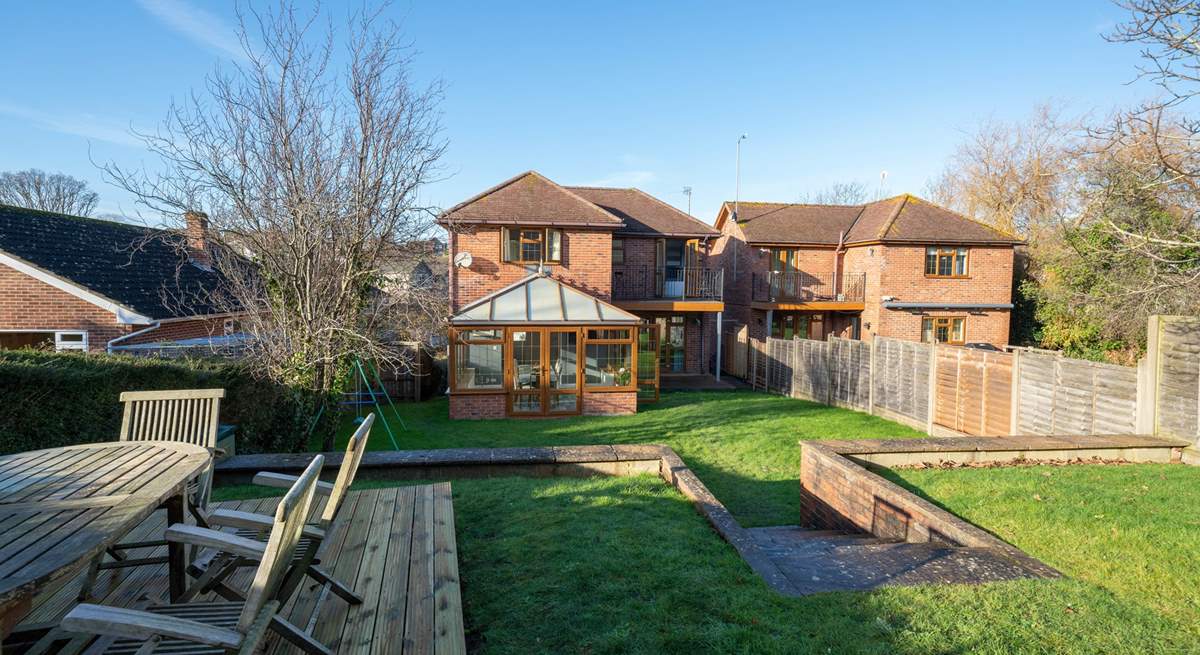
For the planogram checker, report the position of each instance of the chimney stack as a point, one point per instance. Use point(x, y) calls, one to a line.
point(196, 235)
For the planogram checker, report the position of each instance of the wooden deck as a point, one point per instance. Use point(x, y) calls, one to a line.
point(394, 546)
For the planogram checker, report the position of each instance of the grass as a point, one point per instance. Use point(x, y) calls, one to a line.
point(625, 565)
point(742, 444)
point(1133, 530)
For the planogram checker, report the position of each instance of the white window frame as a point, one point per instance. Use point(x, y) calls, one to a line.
point(60, 345)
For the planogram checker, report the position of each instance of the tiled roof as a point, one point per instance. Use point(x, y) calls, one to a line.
point(135, 267)
point(529, 199)
point(901, 218)
point(643, 214)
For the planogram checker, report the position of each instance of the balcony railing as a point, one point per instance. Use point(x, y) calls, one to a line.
point(667, 283)
point(799, 286)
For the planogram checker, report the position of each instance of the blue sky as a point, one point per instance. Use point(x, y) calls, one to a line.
point(650, 94)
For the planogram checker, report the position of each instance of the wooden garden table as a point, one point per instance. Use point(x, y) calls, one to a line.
point(62, 507)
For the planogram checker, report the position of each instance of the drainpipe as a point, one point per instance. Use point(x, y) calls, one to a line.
point(108, 347)
point(719, 346)
point(837, 264)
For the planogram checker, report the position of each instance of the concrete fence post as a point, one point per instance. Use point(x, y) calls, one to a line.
point(1147, 388)
point(1015, 408)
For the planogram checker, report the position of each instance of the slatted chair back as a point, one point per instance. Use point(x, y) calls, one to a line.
point(187, 415)
point(349, 468)
point(290, 516)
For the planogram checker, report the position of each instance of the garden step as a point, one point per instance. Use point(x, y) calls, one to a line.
point(815, 561)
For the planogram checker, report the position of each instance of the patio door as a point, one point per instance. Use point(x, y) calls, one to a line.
point(647, 361)
point(543, 371)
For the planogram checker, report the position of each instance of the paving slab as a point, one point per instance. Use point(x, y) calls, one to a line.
point(817, 561)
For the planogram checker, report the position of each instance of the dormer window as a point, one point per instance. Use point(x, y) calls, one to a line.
point(531, 245)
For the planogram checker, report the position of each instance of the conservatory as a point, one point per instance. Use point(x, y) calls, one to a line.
point(541, 347)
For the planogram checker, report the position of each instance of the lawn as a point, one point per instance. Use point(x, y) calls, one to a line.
point(742, 444)
point(626, 565)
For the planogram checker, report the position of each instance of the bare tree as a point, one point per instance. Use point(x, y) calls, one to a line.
point(838, 193)
point(308, 162)
point(52, 192)
point(1014, 176)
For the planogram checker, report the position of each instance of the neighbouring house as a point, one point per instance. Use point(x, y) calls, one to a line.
point(568, 300)
point(901, 267)
point(73, 283)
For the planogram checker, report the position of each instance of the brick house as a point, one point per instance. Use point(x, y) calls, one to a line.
point(73, 283)
point(568, 300)
point(901, 267)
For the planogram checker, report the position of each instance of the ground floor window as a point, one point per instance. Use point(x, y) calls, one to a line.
point(478, 359)
point(543, 370)
point(795, 325)
point(673, 350)
point(944, 329)
point(58, 340)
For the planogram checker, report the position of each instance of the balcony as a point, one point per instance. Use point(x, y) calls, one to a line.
point(802, 288)
point(671, 284)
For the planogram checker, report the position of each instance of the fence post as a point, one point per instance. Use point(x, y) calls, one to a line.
point(828, 371)
point(1015, 408)
point(1147, 389)
point(932, 388)
point(871, 376)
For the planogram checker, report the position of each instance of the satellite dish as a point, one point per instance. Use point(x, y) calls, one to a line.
point(463, 260)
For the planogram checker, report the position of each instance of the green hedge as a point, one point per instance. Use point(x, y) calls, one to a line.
point(58, 399)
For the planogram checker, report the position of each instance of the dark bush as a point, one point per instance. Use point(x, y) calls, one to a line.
point(58, 399)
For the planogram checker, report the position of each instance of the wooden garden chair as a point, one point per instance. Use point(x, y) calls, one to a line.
point(185, 415)
point(253, 526)
point(190, 628)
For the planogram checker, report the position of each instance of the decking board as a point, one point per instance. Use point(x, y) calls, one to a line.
point(393, 546)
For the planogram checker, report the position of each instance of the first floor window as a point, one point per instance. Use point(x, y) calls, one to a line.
point(532, 245)
point(618, 251)
point(479, 360)
point(943, 329)
point(608, 358)
point(941, 261)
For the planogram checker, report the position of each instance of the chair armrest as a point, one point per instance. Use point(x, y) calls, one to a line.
point(284, 481)
point(137, 624)
point(209, 538)
point(237, 519)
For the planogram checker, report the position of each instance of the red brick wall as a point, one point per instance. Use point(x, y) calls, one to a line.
point(587, 264)
point(179, 330)
point(609, 402)
point(477, 406)
point(30, 304)
point(867, 260)
point(902, 275)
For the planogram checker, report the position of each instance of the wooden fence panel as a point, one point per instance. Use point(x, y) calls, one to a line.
point(850, 362)
point(811, 374)
point(1057, 395)
point(1177, 405)
point(734, 351)
point(974, 390)
point(779, 366)
point(902, 377)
